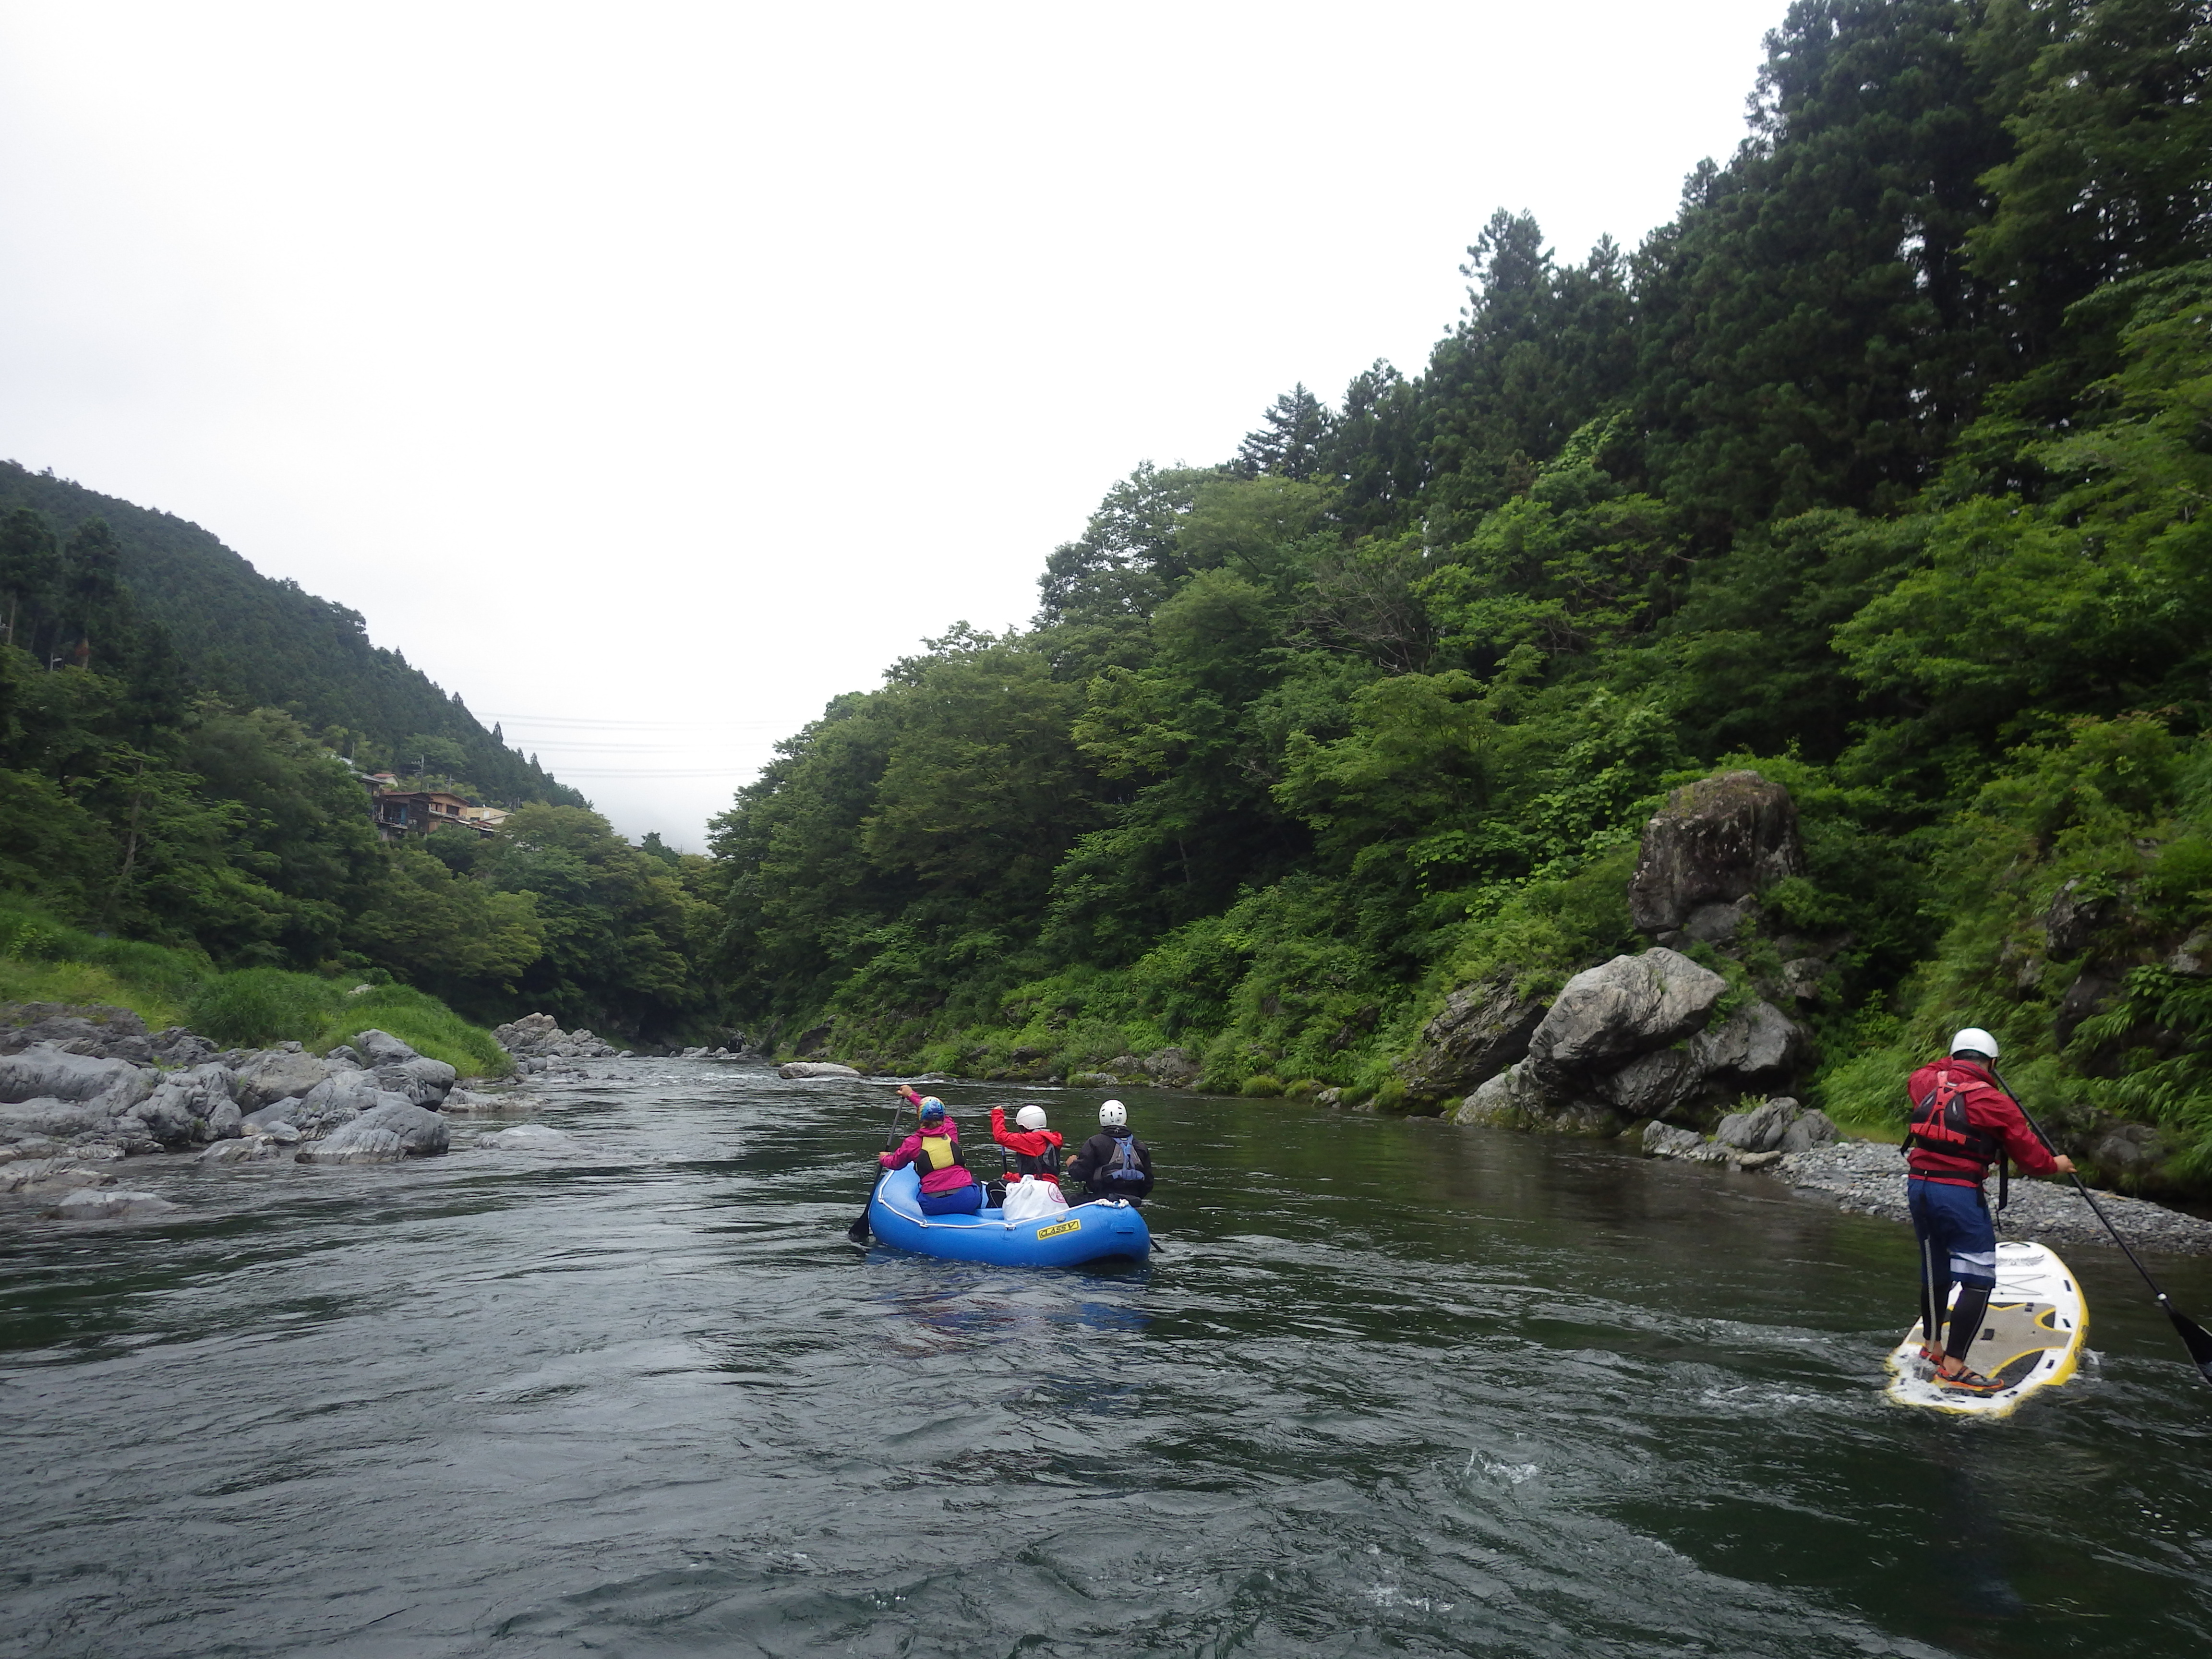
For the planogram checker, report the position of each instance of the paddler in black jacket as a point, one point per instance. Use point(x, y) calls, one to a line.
point(1114, 1164)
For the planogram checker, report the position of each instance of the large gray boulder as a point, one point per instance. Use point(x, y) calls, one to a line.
point(1611, 1013)
point(1755, 1046)
point(1507, 1101)
point(60, 1121)
point(274, 1074)
point(1717, 841)
point(538, 1037)
point(1669, 1141)
point(189, 1106)
point(399, 1070)
point(1172, 1068)
point(425, 1081)
point(382, 1048)
point(46, 1072)
point(1780, 1126)
point(1484, 1028)
point(393, 1130)
point(1655, 1085)
point(100, 1031)
point(338, 1099)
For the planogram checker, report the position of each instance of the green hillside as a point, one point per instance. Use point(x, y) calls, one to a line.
point(266, 642)
point(1883, 468)
point(174, 736)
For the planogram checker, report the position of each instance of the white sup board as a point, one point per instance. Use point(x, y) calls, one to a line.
point(2031, 1338)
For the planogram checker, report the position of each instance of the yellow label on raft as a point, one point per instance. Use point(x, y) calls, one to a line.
point(1058, 1228)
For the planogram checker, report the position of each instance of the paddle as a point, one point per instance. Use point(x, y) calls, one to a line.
point(858, 1232)
point(2194, 1336)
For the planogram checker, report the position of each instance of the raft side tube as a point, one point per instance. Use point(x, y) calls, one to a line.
point(1065, 1238)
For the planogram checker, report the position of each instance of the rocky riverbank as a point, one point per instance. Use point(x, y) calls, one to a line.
point(1867, 1178)
point(83, 1090)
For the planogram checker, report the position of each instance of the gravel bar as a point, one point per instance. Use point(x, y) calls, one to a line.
point(1867, 1177)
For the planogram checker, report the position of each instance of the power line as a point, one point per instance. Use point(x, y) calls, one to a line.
point(569, 743)
point(580, 724)
point(711, 772)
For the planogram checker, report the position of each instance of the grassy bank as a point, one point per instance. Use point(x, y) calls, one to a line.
point(43, 960)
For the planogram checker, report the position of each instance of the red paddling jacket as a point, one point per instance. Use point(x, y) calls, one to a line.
point(1994, 1127)
point(1037, 1152)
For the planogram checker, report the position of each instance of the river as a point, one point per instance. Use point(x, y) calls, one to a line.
point(1388, 1387)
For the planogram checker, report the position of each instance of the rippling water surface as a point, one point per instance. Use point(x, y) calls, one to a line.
point(1389, 1388)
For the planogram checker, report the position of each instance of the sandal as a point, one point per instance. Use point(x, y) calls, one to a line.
point(1968, 1382)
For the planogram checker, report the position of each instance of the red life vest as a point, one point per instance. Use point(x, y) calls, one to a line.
point(1939, 1124)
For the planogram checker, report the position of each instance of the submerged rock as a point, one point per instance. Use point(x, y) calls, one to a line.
point(525, 1137)
point(47, 1174)
point(110, 1204)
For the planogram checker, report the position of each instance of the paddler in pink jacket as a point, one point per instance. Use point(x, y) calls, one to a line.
point(947, 1186)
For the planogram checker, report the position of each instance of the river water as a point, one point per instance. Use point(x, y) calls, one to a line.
point(1388, 1387)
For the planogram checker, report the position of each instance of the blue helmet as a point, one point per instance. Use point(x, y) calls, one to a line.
point(932, 1109)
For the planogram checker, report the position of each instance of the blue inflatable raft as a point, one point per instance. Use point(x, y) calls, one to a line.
point(1066, 1239)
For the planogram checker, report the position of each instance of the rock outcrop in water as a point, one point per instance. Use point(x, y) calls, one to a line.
point(539, 1044)
point(82, 1093)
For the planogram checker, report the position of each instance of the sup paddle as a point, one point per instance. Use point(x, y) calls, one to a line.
point(2194, 1336)
point(858, 1232)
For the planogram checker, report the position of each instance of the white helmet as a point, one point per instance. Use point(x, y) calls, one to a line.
point(1112, 1116)
point(1974, 1041)
point(1031, 1117)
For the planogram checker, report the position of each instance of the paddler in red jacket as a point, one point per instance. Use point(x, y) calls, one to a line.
point(1963, 1122)
point(1036, 1148)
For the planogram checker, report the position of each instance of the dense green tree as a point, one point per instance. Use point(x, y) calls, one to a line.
point(1538, 353)
point(1291, 440)
point(255, 642)
point(30, 566)
point(1882, 468)
point(1812, 333)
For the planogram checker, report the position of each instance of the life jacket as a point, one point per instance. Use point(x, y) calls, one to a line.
point(1939, 1125)
point(939, 1152)
point(1125, 1165)
point(1046, 1162)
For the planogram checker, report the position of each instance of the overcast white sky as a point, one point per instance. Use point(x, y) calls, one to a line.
point(651, 373)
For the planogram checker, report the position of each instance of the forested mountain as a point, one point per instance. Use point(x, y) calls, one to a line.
point(1881, 469)
point(174, 734)
point(265, 643)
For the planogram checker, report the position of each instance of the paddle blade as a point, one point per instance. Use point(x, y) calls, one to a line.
point(2194, 1337)
point(858, 1232)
